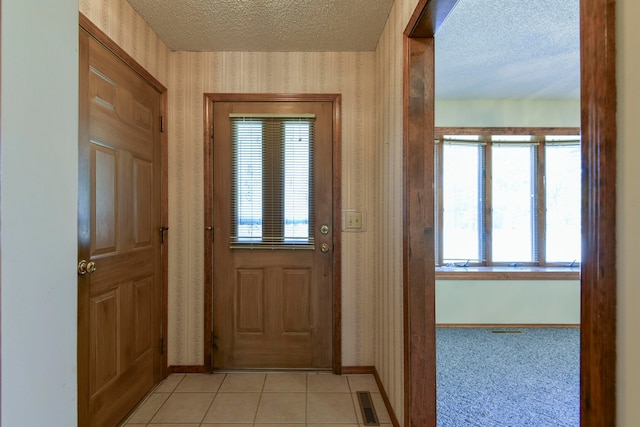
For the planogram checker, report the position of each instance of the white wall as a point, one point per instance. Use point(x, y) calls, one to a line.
point(508, 112)
point(628, 204)
point(508, 301)
point(38, 193)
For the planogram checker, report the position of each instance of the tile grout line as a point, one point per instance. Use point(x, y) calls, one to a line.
point(212, 400)
point(264, 382)
point(165, 401)
point(306, 400)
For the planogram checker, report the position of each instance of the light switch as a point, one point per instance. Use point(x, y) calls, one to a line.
point(353, 221)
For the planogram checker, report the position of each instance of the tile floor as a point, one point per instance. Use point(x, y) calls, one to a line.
point(258, 399)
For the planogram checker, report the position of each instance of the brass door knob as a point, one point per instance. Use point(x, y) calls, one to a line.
point(82, 267)
point(85, 267)
point(91, 267)
point(324, 248)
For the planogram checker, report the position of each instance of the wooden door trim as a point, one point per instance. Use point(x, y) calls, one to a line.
point(418, 231)
point(83, 252)
point(598, 276)
point(336, 100)
point(598, 272)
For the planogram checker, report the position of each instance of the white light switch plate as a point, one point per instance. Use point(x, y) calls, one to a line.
point(354, 221)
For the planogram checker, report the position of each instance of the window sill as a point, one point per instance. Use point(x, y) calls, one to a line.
point(507, 273)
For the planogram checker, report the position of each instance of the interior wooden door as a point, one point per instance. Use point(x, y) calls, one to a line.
point(272, 305)
point(119, 208)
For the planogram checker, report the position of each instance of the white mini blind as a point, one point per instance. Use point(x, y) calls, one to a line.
point(272, 189)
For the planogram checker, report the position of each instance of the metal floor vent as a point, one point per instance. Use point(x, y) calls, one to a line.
point(368, 411)
point(506, 332)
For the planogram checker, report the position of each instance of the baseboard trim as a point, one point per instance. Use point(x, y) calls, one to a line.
point(371, 370)
point(507, 325)
point(188, 369)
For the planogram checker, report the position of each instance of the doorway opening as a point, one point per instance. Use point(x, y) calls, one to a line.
point(598, 274)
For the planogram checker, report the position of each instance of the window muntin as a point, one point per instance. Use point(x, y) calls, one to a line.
point(519, 176)
point(272, 181)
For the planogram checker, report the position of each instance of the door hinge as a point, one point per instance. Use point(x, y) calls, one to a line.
point(163, 229)
point(161, 345)
point(162, 124)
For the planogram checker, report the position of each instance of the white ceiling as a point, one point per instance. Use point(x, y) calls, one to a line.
point(266, 25)
point(486, 48)
point(509, 49)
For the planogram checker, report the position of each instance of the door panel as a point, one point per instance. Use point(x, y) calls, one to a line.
point(143, 316)
point(250, 298)
point(296, 284)
point(272, 307)
point(105, 337)
point(142, 212)
point(119, 304)
point(104, 208)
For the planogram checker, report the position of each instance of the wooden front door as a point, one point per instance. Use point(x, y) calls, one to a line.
point(272, 224)
point(119, 207)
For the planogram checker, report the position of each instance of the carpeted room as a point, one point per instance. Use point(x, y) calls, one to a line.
point(508, 345)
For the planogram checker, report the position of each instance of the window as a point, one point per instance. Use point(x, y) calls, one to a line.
point(462, 200)
point(562, 195)
point(271, 185)
point(510, 200)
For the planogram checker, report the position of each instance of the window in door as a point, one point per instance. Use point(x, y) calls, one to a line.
point(271, 183)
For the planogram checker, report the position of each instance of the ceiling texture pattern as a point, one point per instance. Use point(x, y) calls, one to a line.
point(509, 49)
point(266, 25)
point(486, 49)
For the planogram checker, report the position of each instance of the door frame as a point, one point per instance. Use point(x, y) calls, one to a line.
point(209, 100)
point(83, 197)
point(598, 270)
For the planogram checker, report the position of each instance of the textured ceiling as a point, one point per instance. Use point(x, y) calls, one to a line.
point(509, 49)
point(488, 49)
point(266, 25)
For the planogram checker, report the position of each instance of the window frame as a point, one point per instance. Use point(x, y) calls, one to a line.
point(485, 269)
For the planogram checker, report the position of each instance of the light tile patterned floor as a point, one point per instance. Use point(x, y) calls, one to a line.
point(259, 400)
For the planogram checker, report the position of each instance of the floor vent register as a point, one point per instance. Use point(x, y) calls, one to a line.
point(369, 415)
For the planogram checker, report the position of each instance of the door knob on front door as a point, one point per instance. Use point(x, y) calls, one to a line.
point(324, 248)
